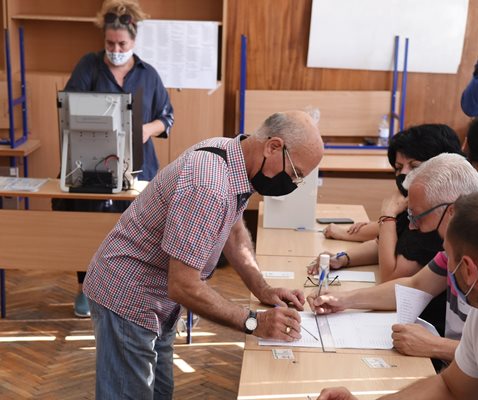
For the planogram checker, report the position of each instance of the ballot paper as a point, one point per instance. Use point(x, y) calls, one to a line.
point(354, 330)
point(410, 303)
point(352, 276)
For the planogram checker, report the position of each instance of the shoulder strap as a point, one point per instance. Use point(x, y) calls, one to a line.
point(216, 150)
point(241, 198)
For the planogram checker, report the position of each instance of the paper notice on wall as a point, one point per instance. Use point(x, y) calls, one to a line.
point(185, 53)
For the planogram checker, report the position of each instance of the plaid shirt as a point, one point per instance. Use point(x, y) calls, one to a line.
point(186, 212)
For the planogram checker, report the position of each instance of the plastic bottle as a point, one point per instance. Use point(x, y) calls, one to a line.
point(383, 131)
point(324, 265)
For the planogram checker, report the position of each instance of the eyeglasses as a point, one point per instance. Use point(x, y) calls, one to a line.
point(298, 180)
point(313, 282)
point(125, 19)
point(414, 219)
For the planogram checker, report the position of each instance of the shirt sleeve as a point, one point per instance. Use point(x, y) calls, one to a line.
point(162, 106)
point(467, 351)
point(196, 217)
point(469, 98)
point(439, 264)
point(82, 76)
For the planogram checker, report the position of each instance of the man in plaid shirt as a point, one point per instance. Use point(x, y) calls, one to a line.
point(168, 242)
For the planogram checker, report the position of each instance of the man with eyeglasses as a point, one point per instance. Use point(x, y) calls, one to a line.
point(433, 188)
point(167, 243)
point(460, 379)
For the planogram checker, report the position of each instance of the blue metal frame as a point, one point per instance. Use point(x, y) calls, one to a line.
point(352, 146)
point(393, 100)
point(393, 115)
point(189, 326)
point(13, 102)
point(404, 87)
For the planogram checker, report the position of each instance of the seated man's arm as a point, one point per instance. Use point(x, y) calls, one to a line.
point(380, 297)
point(451, 384)
point(415, 340)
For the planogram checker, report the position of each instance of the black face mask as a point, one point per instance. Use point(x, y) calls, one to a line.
point(279, 185)
point(399, 181)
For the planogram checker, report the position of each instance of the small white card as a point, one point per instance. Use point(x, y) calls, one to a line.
point(376, 362)
point(282, 354)
point(278, 274)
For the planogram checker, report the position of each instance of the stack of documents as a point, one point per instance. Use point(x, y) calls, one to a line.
point(20, 184)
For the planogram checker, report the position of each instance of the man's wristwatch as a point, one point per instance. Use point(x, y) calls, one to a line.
point(251, 322)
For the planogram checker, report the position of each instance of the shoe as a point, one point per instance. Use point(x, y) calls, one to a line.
point(82, 308)
point(182, 325)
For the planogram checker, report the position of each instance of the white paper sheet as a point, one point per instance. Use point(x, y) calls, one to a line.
point(185, 53)
point(21, 184)
point(410, 303)
point(360, 34)
point(356, 330)
point(352, 276)
point(278, 274)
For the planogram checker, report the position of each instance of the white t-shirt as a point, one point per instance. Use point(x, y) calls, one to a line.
point(466, 355)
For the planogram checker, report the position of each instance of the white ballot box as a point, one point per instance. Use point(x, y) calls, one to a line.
point(295, 210)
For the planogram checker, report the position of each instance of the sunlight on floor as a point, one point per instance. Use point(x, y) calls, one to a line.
point(9, 339)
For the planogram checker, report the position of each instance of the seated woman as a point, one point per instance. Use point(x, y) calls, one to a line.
point(400, 251)
point(389, 242)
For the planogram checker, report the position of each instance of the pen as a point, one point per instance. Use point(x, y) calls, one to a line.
point(333, 280)
point(315, 337)
point(321, 280)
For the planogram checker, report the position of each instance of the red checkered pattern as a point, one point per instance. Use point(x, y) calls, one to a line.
point(186, 212)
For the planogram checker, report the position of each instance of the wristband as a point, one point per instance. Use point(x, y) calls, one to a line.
point(343, 254)
point(386, 218)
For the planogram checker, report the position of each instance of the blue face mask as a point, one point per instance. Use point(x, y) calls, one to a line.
point(462, 295)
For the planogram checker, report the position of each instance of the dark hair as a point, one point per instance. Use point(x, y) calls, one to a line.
point(472, 140)
point(462, 230)
point(423, 142)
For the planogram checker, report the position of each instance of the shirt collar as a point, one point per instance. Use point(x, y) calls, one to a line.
point(235, 159)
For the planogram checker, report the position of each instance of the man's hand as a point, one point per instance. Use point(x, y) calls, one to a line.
point(279, 323)
point(282, 297)
point(326, 303)
point(338, 393)
point(412, 340)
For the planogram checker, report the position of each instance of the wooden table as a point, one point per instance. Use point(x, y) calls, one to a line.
point(264, 377)
point(289, 242)
point(53, 240)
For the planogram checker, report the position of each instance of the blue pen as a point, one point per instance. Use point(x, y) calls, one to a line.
point(321, 280)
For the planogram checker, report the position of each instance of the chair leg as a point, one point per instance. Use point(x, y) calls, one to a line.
point(189, 326)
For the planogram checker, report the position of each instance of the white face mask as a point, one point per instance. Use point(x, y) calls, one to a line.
point(119, 58)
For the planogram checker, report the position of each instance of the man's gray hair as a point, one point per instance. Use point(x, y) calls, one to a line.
point(444, 178)
point(286, 127)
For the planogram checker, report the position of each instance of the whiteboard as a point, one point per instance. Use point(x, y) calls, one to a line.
point(185, 53)
point(355, 34)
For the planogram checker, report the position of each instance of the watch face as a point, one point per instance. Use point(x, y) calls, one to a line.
point(251, 323)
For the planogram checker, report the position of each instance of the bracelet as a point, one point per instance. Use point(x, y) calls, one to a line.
point(386, 218)
point(343, 254)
